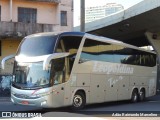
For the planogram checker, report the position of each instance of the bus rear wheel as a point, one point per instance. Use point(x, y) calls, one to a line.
point(79, 101)
point(134, 97)
point(142, 95)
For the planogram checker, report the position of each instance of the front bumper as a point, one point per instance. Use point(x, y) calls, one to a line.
point(44, 101)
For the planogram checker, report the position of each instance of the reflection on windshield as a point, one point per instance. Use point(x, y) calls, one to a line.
point(37, 44)
point(31, 75)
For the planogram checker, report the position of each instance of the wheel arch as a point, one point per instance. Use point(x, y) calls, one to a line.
point(78, 99)
point(78, 90)
point(142, 88)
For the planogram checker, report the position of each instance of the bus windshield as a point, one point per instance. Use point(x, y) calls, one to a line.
point(41, 45)
point(30, 76)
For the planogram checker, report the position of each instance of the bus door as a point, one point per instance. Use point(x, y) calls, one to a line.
point(57, 80)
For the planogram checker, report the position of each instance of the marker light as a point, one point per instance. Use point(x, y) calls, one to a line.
point(43, 103)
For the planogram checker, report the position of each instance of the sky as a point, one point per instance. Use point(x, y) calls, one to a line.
point(90, 3)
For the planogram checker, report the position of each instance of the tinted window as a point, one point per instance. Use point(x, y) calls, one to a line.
point(95, 50)
point(57, 71)
point(136, 57)
point(69, 44)
point(90, 50)
point(105, 52)
point(37, 46)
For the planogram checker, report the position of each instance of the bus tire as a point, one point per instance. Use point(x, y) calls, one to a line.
point(79, 101)
point(134, 97)
point(142, 95)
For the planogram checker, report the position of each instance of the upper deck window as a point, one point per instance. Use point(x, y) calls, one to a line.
point(37, 45)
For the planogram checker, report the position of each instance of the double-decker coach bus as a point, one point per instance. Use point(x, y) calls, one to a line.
point(75, 69)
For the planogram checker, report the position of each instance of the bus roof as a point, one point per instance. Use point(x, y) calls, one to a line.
point(61, 33)
point(94, 37)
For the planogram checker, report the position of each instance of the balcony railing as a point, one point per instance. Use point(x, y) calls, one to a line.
point(17, 29)
point(53, 1)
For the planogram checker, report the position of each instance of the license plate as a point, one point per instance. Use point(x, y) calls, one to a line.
point(25, 102)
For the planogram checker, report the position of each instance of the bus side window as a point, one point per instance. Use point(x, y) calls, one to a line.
point(105, 52)
point(120, 54)
point(60, 47)
point(57, 71)
point(89, 51)
point(69, 44)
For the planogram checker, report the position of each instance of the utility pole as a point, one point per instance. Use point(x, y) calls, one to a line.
point(82, 16)
point(11, 7)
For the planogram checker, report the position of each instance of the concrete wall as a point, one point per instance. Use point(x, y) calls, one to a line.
point(155, 42)
point(8, 47)
point(48, 20)
point(5, 13)
point(154, 39)
point(47, 12)
point(66, 5)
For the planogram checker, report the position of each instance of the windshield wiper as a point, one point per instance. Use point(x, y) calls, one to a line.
point(16, 85)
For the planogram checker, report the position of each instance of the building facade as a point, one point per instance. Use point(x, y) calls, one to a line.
point(19, 18)
point(99, 12)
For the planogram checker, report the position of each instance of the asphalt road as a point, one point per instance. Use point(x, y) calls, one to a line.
point(151, 106)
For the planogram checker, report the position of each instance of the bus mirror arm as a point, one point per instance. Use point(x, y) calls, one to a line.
point(5, 59)
point(51, 57)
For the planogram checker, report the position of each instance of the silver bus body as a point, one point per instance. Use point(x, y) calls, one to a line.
point(84, 75)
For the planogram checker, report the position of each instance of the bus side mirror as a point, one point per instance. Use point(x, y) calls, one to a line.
point(53, 56)
point(5, 59)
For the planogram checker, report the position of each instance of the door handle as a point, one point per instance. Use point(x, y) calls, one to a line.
point(62, 88)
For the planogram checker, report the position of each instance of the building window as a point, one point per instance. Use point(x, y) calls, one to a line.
point(63, 18)
point(27, 15)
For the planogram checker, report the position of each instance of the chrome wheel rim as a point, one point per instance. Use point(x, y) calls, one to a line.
point(77, 101)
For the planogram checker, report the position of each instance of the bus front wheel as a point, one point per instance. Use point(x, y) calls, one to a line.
point(78, 101)
point(134, 97)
